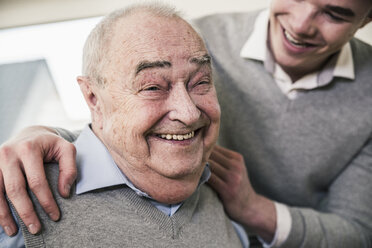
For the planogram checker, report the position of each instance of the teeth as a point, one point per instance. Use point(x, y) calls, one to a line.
point(177, 136)
point(293, 40)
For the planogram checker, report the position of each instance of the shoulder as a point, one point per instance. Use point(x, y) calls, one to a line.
point(361, 52)
point(357, 44)
point(225, 24)
point(51, 173)
point(208, 195)
point(226, 18)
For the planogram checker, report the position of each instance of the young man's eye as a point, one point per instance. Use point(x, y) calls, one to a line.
point(334, 17)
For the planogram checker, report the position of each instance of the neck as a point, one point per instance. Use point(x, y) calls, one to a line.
point(160, 188)
point(296, 73)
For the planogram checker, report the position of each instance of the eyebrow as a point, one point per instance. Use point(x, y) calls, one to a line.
point(203, 60)
point(147, 64)
point(143, 65)
point(341, 11)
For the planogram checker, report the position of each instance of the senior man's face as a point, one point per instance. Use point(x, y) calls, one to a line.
point(160, 112)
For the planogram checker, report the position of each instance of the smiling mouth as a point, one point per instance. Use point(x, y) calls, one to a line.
point(296, 42)
point(177, 136)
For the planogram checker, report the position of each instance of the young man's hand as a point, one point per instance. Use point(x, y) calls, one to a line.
point(230, 180)
point(23, 157)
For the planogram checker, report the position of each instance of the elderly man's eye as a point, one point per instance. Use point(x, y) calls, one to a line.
point(152, 88)
point(201, 87)
point(202, 83)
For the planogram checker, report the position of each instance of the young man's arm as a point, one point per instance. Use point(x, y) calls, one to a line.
point(342, 219)
point(23, 156)
point(230, 180)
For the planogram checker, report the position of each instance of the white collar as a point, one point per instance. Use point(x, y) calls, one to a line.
point(97, 169)
point(255, 47)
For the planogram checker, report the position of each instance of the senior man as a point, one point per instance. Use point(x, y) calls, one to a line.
point(142, 161)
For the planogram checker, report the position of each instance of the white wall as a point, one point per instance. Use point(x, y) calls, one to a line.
point(26, 12)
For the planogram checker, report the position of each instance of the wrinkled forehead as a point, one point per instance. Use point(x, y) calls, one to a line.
point(146, 37)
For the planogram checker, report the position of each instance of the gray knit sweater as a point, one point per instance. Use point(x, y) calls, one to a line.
point(313, 153)
point(118, 217)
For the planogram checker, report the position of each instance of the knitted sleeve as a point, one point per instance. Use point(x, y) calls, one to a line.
point(344, 218)
point(70, 136)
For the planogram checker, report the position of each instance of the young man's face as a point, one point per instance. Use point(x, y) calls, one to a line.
point(303, 34)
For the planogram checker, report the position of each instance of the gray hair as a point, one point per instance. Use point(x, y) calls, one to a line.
point(96, 45)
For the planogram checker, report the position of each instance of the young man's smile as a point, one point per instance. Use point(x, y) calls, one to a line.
point(304, 34)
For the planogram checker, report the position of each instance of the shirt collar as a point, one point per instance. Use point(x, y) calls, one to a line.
point(97, 169)
point(256, 48)
point(345, 63)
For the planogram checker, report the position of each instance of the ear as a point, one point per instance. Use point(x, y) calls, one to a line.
point(91, 95)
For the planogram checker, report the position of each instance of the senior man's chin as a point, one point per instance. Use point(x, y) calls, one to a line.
point(176, 158)
point(177, 182)
point(178, 167)
point(175, 179)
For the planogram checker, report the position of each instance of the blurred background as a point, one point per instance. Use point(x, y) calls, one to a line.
point(41, 45)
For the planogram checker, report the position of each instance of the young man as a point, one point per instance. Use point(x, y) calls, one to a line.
point(294, 88)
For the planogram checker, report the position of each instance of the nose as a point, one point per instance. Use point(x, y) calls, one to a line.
point(303, 21)
point(182, 106)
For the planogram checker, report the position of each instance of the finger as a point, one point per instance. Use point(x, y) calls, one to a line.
point(218, 170)
point(6, 218)
point(225, 152)
point(220, 158)
point(36, 179)
point(15, 187)
point(216, 183)
point(67, 168)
